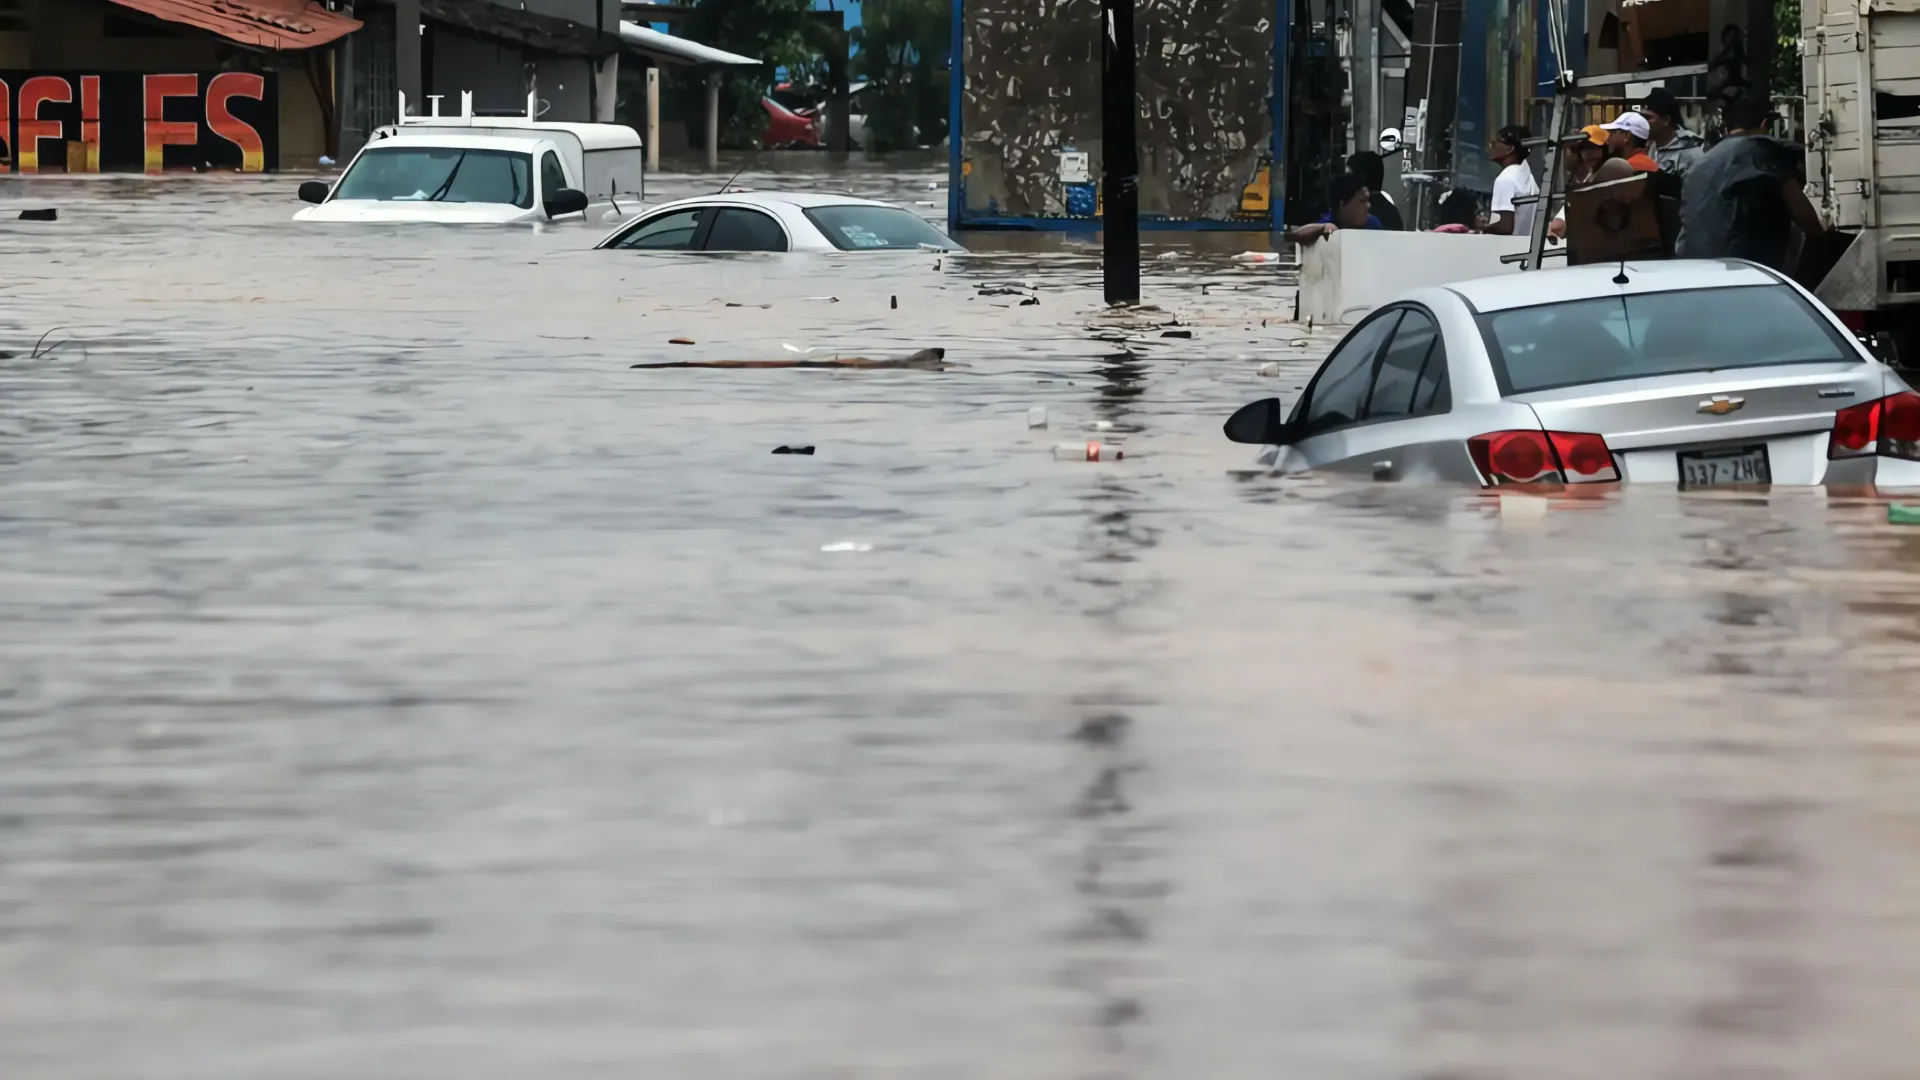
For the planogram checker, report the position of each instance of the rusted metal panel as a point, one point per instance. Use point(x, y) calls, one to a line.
point(269, 24)
point(1029, 101)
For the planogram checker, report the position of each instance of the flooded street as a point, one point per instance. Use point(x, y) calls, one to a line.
point(394, 684)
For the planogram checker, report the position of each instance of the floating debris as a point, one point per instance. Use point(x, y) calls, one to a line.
point(1093, 451)
point(680, 341)
point(806, 450)
point(924, 360)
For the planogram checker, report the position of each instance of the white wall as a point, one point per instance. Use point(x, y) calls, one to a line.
point(1356, 270)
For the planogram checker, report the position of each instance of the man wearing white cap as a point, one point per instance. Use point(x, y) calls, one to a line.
point(1627, 139)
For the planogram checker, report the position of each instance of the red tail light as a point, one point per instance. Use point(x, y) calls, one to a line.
point(1900, 421)
point(1528, 457)
point(1856, 428)
point(1889, 427)
point(1584, 458)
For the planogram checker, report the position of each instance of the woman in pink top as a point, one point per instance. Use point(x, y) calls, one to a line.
point(1457, 213)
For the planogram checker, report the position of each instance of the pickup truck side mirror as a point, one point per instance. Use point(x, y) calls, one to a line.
point(314, 191)
point(566, 201)
point(1258, 423)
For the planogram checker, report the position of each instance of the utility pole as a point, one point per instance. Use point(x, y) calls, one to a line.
point(1119, 155)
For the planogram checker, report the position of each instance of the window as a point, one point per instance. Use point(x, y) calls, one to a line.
point(1398, 377)
point(1431, 394)
point(1662, 333)
point(668, 232)
point(552, 176)
point(854, 227)
point(440, 174)
point(1339, 392)
point(745, 230)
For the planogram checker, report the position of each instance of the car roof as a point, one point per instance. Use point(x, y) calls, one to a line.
point(1528, 289)
point(800, 199)
point(459, 142)
point(591, 136)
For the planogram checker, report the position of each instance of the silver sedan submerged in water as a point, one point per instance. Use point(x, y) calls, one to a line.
point(1700, 373)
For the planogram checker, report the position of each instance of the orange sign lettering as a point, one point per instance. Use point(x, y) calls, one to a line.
point(220, 119)
point(34, 93)
point(90, 120)
point(161, 132)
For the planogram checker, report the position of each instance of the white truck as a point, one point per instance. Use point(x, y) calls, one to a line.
point(471, 169)
point(1861, 75)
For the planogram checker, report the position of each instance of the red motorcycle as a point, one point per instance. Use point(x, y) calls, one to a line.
point(790, 129)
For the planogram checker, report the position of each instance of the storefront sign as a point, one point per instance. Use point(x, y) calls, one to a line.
point(129, 121)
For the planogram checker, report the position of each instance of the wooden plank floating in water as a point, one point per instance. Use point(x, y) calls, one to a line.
point(924, 360)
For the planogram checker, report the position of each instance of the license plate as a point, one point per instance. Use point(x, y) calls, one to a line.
point(1714, 468)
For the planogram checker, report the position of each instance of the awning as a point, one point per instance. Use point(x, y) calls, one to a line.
point(514, 26)
point(264, 24)
point(678, 51)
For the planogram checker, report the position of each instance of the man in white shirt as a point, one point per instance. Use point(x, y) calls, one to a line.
point(1514, 182)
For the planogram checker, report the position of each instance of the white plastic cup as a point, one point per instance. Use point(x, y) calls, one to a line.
point(1092, 451)
point(1269, 371)
point(1037, 417)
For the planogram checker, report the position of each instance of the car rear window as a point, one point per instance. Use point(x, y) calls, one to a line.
point(874, 228)
point(1663, 333)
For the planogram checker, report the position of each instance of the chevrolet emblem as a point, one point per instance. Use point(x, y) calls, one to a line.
point(1721, 404)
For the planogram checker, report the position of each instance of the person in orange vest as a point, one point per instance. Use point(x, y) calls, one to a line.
point(1627, 138)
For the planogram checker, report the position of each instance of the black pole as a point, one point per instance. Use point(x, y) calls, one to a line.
point(1119, 155)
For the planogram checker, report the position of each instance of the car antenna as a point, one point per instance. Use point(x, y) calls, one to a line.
point(1621, 277)
point(731, 179)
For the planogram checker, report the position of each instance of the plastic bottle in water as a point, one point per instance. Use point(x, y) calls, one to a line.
point(1092, 451)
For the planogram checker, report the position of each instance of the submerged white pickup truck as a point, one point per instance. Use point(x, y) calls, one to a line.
point(470, 169)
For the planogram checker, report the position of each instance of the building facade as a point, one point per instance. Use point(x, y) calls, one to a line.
point(151, 85)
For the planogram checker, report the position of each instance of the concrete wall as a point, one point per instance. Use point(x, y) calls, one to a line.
point(16, 49)
point(604, 14)
point(1032, 88)
point(497, 75)
point(71, 34)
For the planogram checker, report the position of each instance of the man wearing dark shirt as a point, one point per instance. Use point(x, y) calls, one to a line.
point(1370, 167)
point(1743, 198)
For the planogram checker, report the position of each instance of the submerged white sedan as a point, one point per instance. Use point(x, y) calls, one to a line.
point(778, 221)
point(1697, 373)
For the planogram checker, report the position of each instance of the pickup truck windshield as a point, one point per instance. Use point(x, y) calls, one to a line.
point(440, 174)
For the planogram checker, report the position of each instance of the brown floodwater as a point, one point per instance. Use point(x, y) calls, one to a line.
point(394, 684)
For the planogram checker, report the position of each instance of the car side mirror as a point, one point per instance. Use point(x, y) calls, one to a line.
point(314, 191)
point(566, 201)
point(1258, 423)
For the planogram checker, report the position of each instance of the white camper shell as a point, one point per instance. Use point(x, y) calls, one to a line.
point(524, 167)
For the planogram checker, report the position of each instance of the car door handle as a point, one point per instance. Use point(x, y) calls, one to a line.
point(1383, 470)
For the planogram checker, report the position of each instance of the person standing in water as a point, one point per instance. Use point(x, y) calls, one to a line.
point(1515, 182)
point(1349, 197)
point(1372, 168)
point(1744, 197)
point(1673, 146)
